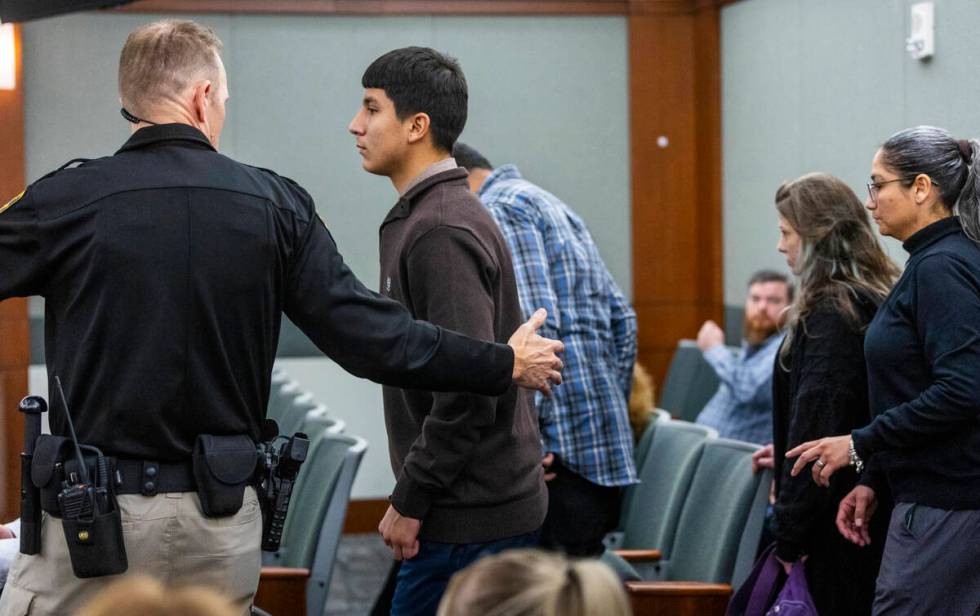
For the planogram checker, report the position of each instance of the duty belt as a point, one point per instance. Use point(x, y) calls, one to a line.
point(145, 477)
point(148, 478)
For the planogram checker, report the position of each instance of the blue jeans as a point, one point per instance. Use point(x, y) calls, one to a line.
point(423, 579)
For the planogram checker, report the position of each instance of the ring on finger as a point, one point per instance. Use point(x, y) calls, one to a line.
point(820, 463)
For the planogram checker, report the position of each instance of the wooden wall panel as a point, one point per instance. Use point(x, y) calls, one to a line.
point(707, 93)
point(675, 127)
point(14, 339)
point(364, 515)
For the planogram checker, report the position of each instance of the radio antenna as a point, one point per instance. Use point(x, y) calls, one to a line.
point(82, 468)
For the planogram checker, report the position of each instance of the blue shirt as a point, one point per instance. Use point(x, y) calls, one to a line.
point(585, 420)
point(742, 407)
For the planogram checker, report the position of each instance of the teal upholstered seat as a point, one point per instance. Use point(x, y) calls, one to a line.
point(643, 445)
point(281, 397)
point(724, 495)
point(656, 502)
point(718, 530)
point(639, 456)
point(690, 382)
point(294, 413)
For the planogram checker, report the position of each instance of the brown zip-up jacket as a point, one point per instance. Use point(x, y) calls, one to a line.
point(468, 466)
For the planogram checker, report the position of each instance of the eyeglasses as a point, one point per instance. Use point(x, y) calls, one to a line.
point(874, 187)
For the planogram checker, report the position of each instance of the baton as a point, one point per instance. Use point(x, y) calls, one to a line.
point(30, 495)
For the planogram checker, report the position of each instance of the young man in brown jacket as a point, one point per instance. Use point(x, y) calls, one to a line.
point(469, 478)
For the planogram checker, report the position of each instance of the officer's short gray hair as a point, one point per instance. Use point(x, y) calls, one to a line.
point(160, 59)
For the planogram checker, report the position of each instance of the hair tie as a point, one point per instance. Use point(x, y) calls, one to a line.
point(966, 149)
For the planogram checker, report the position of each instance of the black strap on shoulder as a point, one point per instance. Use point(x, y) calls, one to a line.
point(74, 161)
point(80, 161)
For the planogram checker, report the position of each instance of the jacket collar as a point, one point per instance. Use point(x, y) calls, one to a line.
point(158, 133)
point(504, 172)
point(929, 235)
point(404, 206)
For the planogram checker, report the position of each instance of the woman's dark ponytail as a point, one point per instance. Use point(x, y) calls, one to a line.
point(968, 203)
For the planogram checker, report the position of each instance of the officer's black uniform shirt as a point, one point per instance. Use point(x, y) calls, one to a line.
point(166, 268)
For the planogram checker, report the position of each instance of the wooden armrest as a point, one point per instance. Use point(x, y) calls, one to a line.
point(637, 556)
point(678, 598)
point(285, 573)
point(282, 590)
point(678, 588)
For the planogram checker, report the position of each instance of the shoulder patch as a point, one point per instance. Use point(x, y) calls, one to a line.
point(12, 201)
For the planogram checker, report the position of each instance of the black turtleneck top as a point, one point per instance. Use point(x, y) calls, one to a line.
point(923, 354)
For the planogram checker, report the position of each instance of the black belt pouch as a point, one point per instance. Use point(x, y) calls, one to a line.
point(95, 544)
point(47, 469)
point(223, 466)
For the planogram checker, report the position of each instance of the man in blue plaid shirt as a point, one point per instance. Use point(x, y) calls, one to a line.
point(585, 428)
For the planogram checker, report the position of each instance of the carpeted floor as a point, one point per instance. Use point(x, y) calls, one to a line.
point(362, 566)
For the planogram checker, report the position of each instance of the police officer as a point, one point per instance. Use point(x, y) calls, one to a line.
point(166, 268)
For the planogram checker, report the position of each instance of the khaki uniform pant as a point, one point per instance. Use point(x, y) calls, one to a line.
point(167, 537)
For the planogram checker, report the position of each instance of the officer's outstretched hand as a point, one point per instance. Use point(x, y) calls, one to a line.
point(536, 363)
point(400, 533)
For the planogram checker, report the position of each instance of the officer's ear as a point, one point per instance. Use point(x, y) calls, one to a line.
point(201, 99)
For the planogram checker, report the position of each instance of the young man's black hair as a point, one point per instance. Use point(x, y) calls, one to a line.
point(422, 80)
point(466, 156)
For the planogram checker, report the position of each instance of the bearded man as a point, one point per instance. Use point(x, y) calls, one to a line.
point(742, 407)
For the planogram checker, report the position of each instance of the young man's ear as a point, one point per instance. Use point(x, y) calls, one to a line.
point(418, 127)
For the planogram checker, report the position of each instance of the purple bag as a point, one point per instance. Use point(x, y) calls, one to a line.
point(753, 598)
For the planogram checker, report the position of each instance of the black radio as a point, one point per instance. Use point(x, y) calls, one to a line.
point(90, 516)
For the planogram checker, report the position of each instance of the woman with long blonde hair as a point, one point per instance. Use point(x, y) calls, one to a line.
point(819, 381)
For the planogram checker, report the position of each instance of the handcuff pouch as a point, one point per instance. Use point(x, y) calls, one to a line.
point(223, 466)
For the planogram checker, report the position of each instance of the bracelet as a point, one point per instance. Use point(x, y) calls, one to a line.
point(855, 460)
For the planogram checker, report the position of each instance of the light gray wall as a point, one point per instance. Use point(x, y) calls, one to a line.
point(817, 85)
point(548, 93)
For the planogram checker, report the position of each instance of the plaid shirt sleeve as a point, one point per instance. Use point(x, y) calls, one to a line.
point(530, 256)
point(624, 334)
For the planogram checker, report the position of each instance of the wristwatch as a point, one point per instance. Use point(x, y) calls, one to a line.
point(855, 460)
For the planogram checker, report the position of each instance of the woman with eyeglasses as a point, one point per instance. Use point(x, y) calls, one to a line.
point(819, 380)
point(923, 353)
